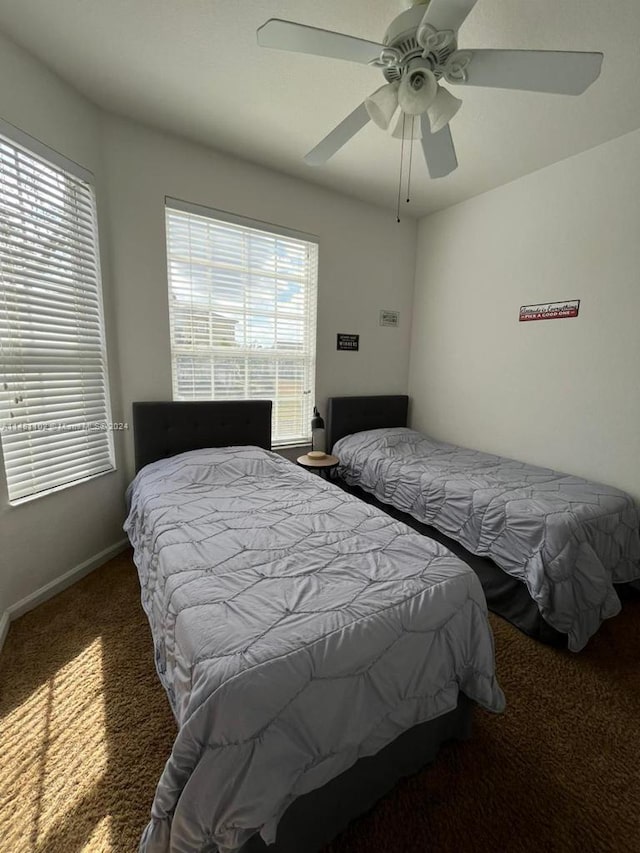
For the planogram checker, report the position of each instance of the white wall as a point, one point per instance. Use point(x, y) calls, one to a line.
point(367, 260)
point(366, 264)
point(43, 539)
point(562, 393)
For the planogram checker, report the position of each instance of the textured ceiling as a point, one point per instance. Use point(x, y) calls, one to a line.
point(193, 67)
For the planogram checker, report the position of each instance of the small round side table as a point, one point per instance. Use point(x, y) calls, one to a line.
point(322, 466)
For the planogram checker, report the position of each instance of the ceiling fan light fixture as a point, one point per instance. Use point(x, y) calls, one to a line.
point(383, 104)
point(418, 90)
point(443, 109)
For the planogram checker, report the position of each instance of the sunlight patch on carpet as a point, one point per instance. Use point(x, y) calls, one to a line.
point(57, 750)
point(100, 839)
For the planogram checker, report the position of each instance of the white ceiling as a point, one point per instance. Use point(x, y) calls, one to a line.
point(193, 67)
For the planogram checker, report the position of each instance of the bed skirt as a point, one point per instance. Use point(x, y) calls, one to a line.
point(314, 819)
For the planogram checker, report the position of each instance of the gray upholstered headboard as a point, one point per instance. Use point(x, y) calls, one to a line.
point(346, 415)
point(166, 428)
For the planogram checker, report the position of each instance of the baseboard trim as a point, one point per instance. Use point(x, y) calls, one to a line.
point(4, 627)
point(58, 585)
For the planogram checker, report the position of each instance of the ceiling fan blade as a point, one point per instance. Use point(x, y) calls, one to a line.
point(555, 71)
point(287, 35)
point(338, 137)
point(439, 151)
point(448, 14)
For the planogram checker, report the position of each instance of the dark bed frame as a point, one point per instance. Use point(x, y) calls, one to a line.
point(506, 596)
point(346, 415)
point(164, 429)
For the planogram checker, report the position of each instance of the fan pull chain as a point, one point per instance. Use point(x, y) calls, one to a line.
point(413, 120)
point(404, 122)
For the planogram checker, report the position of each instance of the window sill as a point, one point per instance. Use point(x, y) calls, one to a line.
point(291, 445)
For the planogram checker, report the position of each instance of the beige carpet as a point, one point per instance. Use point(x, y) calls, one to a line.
point(85, 730)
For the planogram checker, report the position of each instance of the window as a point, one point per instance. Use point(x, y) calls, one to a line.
point(54, 406)
point(242, 303)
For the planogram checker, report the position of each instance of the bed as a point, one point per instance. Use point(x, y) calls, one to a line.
point(313, 649)
point(550, 548)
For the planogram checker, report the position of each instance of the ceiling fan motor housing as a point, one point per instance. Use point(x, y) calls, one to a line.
point(401, 39)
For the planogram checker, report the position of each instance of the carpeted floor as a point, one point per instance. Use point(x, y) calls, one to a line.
point(85, 729)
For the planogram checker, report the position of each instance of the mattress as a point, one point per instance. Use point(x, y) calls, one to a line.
point(296, 629)
point(568, 539)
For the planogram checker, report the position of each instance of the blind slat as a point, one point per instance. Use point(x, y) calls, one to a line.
point(37, 486)
point(42, 448)
point(49, 469)
point(16, 249)
point(41, 277)
point(17, 211)
point(16, 309)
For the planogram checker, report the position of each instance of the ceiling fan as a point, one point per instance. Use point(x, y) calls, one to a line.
point(418, 52)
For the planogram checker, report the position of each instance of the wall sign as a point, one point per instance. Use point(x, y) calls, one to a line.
point(550, 310)
point(348, 342)
point(389, 318)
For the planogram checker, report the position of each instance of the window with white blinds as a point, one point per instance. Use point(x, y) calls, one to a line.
point(242, 301)
point(54, 405)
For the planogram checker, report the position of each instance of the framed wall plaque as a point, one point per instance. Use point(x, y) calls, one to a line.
point(348, 343)
point(550, 311)
point(389, 318)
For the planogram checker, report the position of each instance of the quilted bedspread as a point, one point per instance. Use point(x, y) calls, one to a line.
point(296, 629)
point(569, 540)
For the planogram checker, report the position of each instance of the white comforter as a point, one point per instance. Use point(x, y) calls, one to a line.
point(568, 539)
point(296, 629)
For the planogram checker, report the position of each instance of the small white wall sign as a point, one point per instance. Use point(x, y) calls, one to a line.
point(389, 318)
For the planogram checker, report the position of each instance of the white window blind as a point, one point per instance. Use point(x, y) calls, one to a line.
point(54, 406)
point(242, 305)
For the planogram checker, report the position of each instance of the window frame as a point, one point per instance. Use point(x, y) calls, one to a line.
point(227, 217)
point(54, 159)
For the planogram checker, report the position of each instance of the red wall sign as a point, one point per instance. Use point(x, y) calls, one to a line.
point(550, 310)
